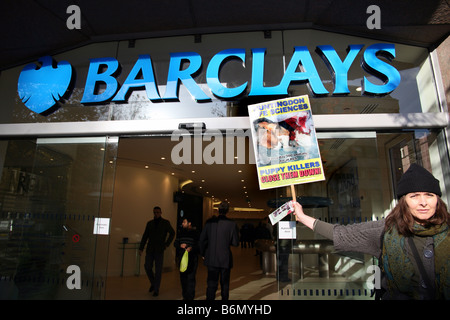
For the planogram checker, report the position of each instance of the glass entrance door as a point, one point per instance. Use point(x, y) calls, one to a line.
point(307, 266)
point(52, 193)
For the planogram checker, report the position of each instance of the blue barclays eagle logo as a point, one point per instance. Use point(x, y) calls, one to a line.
point(41, 87)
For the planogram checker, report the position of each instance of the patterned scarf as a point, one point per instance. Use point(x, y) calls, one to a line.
point(399, 269)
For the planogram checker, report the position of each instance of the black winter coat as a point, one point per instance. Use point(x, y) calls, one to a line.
point(158, 234)
point(218, 234)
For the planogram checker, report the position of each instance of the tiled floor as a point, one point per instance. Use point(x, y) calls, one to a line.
point(247, 283)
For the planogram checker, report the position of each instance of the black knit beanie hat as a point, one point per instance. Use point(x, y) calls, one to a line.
point(417, 179)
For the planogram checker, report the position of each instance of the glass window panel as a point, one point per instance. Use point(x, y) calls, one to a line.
point(50, 195)
point(415, 93)
point(70, 107)
point(233, 73)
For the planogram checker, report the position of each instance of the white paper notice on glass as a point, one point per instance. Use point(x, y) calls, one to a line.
point(287, 230)
point(101, 226)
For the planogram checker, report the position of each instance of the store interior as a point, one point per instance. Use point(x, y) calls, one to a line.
point(146, 176)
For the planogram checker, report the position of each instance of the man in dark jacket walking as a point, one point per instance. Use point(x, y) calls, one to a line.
point(159, 235)
point(218, 234)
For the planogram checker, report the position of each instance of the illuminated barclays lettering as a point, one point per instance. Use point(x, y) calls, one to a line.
point(103, 72)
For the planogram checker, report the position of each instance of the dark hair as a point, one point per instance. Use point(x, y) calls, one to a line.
point(403, 220)
point(156, 208)
point(223, 207)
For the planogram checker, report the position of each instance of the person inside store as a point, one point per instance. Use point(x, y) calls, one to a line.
point(158, 235)
point(216, 239)
point(412, 243)
point(187, 241)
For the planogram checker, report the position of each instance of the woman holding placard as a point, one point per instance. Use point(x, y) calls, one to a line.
point(412, 243)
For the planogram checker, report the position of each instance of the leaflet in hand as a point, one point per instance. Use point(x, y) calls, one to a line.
point(281, 212)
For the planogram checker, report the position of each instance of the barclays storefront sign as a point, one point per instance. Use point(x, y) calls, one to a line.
point(40, 88)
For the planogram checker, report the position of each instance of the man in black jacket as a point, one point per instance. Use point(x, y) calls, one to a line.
point(218, 234)
point(159, 234)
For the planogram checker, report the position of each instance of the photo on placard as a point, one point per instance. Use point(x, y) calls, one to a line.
point(285, 142)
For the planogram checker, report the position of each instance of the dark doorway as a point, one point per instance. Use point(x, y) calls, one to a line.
point(189, 206)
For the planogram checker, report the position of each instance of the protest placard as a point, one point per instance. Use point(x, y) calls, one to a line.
point(285, 143)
